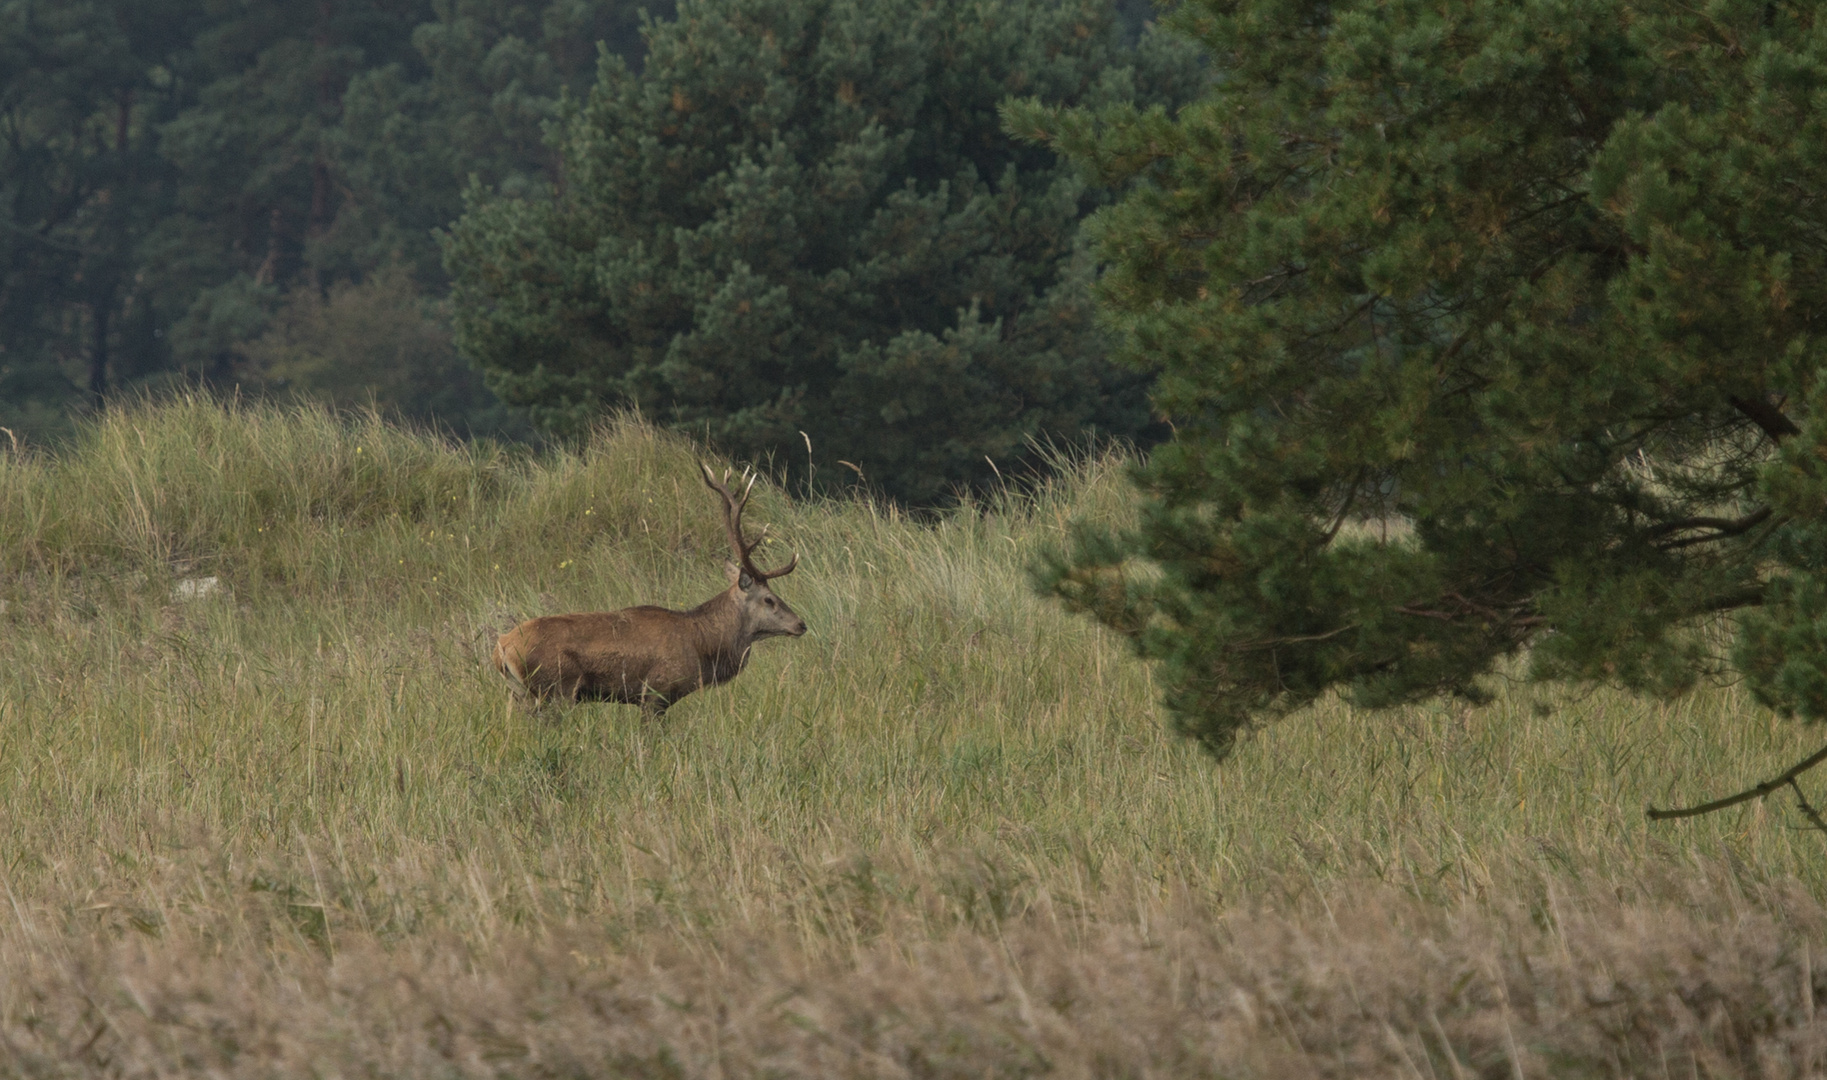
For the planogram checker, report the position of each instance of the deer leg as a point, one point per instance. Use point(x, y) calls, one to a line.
point(575, 663)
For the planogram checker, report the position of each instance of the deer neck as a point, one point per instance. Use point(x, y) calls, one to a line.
point(723, 636)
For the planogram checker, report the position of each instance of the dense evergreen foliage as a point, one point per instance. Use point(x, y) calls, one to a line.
point(249, 196)
point(1485, 328)
point(802, 229)
point(84, 88)
point(186, 185)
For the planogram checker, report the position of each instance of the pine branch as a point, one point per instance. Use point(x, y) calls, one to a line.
point(1723, 528)
point(1470, 608)
point(1276, 643)
point(1724, 525)
point(1338, 521)
point(1767, 415)
point(1758, 792)
point(1801, 800)
point(1751, 596)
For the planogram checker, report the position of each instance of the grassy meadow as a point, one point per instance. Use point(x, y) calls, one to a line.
point(293, 824)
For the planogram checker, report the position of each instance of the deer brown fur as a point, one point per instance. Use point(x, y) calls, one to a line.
point(652, 656)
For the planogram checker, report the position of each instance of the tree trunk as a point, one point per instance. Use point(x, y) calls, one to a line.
point(98, 353)
point(328, 105)
point(123, 121)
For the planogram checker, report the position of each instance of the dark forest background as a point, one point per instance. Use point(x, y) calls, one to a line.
point(257, 197)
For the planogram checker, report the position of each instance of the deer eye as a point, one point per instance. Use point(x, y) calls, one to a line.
point(770, 602)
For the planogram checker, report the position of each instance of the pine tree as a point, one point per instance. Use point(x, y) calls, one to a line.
point(486, 80)
point(327, 145)
point(84, 87)
point(261, 190)
point(1485, 329)
point(802, 221)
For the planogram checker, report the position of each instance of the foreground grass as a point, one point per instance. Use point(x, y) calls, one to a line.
point(298, 821)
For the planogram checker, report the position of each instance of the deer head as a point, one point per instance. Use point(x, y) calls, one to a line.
point(763, 613)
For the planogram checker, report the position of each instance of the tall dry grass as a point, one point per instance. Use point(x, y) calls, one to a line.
point(299, 821)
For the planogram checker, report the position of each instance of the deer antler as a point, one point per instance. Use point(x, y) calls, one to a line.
point(732, 522)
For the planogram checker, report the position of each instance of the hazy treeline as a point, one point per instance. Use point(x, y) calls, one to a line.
point(247, 192)
point(252, 195)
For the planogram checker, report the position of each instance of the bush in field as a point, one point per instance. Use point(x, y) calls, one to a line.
point(1539, 280)
point(805, 218)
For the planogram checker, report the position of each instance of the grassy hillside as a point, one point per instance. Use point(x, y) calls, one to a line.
point(298, 821)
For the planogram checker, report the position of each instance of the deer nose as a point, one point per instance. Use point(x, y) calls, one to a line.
point(800, 629)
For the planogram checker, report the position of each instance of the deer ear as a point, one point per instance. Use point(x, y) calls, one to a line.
point(737, 575)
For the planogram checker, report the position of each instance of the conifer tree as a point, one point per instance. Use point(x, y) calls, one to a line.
point(803, 221)
point(84, 88)
point(1485, 329)
point(261, 189)
point(327, 143)
point(472, 102)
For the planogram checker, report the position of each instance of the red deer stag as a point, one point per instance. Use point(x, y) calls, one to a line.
point(651, 656)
